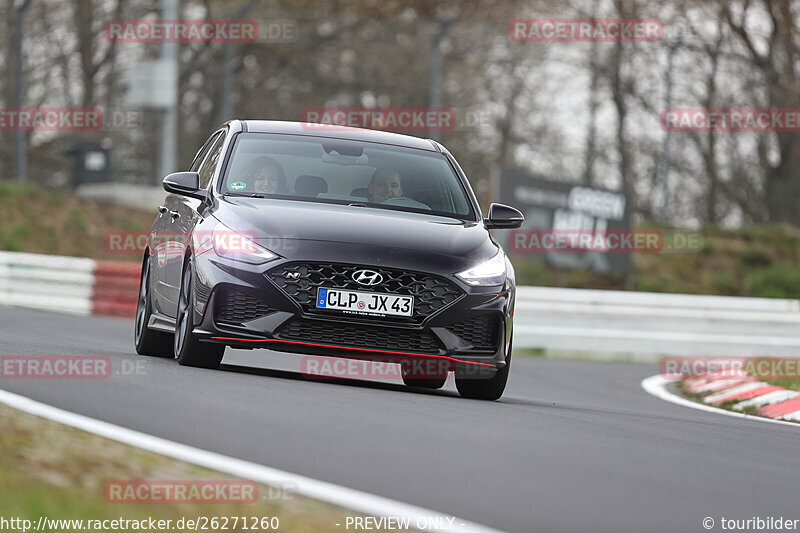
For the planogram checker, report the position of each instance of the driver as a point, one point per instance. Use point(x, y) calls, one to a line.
point(266, 175)
point(385, 184)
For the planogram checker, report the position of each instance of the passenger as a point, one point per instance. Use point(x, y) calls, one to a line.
point(385, 184)
point(266, 175)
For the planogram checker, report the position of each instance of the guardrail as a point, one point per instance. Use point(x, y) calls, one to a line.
point(644, 325)
point(648, 325)
point(69, 284)
point(661, 304)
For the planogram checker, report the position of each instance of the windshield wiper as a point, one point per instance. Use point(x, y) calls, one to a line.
point(254, 195)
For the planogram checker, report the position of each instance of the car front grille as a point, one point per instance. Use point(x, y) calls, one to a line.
point(236, 306)
point(358, 336)
point(301, 280)
point(480, 332)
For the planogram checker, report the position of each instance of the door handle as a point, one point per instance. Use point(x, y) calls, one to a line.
point(162, 209)
point(175, 215)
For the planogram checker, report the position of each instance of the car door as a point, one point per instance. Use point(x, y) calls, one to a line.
point(182, 217)
point(158, 245)
point(163, 245)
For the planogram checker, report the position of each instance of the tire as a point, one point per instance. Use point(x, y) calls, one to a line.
point(189, 351)
point(147, 341)
point(487, 388)
point(436, 382)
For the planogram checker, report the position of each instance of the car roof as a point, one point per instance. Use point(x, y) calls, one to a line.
point(337, 132)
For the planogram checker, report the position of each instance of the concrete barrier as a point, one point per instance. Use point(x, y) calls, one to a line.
point(69, 284)
point(646, 326)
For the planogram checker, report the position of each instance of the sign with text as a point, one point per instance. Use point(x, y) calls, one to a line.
point(571, 225)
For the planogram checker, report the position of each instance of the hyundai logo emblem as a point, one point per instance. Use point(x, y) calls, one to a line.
point(367, 277)
point(293, 275)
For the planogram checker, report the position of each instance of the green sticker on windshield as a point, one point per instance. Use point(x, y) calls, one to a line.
point(238, 185)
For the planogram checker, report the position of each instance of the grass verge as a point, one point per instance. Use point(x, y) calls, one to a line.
point(55, 471)
point(39, 221)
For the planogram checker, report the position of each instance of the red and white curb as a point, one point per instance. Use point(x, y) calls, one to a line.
point(73, 285)
point(772, 403)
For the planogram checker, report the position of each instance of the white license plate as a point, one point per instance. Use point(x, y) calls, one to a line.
point(371, 303)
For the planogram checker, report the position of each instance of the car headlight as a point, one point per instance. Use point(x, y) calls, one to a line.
point(232, 245)
point(491, 272)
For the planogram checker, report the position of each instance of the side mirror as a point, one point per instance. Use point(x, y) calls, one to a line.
point(503, 217)
point(185, 184)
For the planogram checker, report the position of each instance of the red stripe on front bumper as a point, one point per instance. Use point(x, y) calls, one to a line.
point(353, 349)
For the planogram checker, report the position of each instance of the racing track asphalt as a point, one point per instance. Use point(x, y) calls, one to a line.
point(571, 447)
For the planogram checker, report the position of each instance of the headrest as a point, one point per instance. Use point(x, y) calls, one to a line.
point(306, 185)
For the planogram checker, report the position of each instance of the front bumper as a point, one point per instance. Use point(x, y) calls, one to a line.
point(245, 306)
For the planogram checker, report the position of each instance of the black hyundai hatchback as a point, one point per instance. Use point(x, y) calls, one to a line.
point(330, 241)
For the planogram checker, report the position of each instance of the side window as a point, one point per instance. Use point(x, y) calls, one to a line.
point(207, 170)
point(201, 155)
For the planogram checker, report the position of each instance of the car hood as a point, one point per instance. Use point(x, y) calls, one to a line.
point(297, 229)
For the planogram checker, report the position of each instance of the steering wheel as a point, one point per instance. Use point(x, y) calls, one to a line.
point(403, 201)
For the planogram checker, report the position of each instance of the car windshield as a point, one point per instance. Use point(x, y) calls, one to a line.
point(344, 171)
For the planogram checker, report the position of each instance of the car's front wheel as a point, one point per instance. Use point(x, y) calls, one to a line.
point(491, 388)
point(148, 342)
point(434, 380)
point(189, 351)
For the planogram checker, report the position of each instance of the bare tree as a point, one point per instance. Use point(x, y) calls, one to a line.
point(775, 57)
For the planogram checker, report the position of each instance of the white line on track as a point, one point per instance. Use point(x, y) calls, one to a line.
point(361, 502)
point(657, 386)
